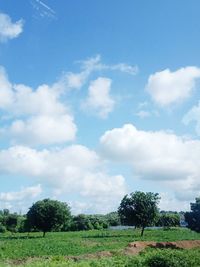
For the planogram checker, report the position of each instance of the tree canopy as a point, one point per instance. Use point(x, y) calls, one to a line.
point(47, 215)
point(193, 218)
point(139, 209)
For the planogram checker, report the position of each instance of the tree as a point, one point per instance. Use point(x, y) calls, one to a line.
point(47, 215)
point(113, 218)
point(193, 218)
point(139, 209)
point(168, 220)
point(81, 222)
point(11, 222)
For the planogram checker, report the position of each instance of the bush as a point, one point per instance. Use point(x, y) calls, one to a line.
point(2, 228)
point(168, 220)
point(167, 258)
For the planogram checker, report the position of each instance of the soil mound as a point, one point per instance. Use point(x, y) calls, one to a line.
point(134, 248)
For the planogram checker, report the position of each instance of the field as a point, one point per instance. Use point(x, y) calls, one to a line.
point(60, 249)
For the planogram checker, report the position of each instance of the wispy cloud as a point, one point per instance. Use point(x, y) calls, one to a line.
point(43, 10)
point(8, 29)
point(94, 64)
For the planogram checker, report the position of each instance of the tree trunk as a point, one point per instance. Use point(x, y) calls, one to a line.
point(44, 234)
point(142, 232)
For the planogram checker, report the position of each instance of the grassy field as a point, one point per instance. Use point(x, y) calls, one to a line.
point(55, 246)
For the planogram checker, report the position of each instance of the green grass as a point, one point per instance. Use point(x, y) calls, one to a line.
point(19, 247)
point(149, 258)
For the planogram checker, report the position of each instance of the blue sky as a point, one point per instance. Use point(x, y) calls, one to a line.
point(99, 99)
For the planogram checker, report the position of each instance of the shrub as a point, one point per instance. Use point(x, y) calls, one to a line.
point(2, 228)
point(167, 258)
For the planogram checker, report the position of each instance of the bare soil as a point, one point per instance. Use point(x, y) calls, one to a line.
point(135, 248)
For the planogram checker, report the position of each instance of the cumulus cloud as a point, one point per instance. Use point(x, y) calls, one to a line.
point(42, 130)
point(167, 87)
point(158, 156)
point(193, 115)
point(168, 201)
point(24, 193)
point(18, 200)
point(38, 116)
point(73, 170)
point(99, 98)
point(8, 29)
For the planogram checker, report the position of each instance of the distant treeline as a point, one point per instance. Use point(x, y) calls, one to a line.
point(14, 222)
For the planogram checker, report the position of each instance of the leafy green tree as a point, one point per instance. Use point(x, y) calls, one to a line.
point(81, 222)
point(139, 209)
point(47, 215)
point(2, 228)
point(113, 218)
point(193, 218)
point(11, 222)
point(168, 220)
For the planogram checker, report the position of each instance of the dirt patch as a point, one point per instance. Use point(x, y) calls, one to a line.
point(136, 247)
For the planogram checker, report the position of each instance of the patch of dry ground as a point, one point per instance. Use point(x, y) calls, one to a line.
point(134, 248)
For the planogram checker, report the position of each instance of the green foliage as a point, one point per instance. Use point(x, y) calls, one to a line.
point(151, 258)
point(88, 222)
point(193, 218)
point(168, 258)
point(139, 209)
point(113, 218)
point(11, 222)
point(47, 215)
point(81, 222)
point(168, 220)
point(2, 228)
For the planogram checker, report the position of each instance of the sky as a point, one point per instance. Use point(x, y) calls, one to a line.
point(99, 99)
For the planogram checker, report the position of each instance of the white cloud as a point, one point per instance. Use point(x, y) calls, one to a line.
point(193, 115)
point(94, 64)
point(20, 200)
point(8, 29)
point(143, 114)
point(6, 93)
point(38, 116)
point(71, 170)
point(42, 101)
point(170, 202)
point(167, 87)
point(24, 193)
point(42, 130)
point(76, 80)
point(99, 98)
point(160, 156)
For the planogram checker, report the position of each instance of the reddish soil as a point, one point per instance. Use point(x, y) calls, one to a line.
point(135, 247)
